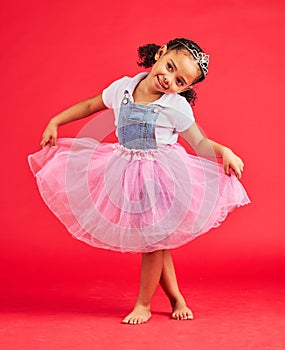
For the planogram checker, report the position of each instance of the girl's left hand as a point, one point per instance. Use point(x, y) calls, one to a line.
point(232, 161)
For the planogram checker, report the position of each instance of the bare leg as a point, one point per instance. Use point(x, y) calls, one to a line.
point(151, 270)
point(168, 282)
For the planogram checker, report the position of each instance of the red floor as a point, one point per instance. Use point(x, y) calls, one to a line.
point(230, 315)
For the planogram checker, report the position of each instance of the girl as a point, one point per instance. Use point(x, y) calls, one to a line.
point(145, 193)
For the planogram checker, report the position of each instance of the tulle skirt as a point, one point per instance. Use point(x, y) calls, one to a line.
point(131, 200)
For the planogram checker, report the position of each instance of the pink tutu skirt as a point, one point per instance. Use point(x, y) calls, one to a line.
point(131, 200)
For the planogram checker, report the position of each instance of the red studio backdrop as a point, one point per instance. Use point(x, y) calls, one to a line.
point(56, 53)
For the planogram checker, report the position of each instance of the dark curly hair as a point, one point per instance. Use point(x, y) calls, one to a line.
point(147, 53)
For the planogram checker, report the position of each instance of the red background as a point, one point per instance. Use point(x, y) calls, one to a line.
point(55, 53)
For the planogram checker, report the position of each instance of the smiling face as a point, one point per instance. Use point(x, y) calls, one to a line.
point(174, 71)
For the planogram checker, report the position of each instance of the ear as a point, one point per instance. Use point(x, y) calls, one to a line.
point(160, 52)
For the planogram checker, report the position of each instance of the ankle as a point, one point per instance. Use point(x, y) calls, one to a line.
point(177, 300)
point(141, 304)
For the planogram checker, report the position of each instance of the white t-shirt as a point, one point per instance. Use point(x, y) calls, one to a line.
point(175, 113)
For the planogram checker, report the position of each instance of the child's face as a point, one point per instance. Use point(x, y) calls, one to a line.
point(174, 71)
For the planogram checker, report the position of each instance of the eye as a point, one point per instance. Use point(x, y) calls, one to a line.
point(179, 82)
point(169, 67)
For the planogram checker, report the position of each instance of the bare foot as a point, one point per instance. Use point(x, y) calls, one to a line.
point(139, 315)
point(181, 312)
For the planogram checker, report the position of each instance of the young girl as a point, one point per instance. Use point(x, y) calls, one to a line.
point(145, 193)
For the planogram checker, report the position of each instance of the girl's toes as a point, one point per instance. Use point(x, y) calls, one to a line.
point(139, 321)
point(189, 316)
point(128, 321)
point(136, 321)
point(137, 316)
point(183, 315)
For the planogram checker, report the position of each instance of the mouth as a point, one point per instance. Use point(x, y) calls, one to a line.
point(161, 84)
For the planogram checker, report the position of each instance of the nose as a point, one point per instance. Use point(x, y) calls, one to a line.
point(167, 80)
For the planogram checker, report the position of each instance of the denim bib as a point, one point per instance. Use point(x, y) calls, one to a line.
point(136, 124)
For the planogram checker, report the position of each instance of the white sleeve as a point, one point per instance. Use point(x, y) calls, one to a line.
point(113, 94)
point(185, 117)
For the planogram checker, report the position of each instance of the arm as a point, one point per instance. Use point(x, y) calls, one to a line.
point(208, 148)
point(78, 111)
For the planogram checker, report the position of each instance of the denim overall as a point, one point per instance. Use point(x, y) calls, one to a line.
point(136, 124)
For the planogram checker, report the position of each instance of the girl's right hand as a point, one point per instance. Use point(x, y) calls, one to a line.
point(49, 135)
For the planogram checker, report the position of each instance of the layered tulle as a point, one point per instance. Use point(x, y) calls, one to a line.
point(131, 200)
